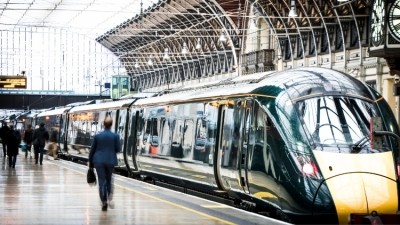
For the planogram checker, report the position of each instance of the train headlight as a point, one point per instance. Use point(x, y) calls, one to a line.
point(309, 169)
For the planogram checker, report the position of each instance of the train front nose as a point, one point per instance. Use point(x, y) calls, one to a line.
point(360, 183)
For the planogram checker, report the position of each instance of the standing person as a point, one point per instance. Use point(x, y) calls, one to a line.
point(13, 141)
point(103, 157)
point(28, 137)
point(3, 135)
point(40, 137)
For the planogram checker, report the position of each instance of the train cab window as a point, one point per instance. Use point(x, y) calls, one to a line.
point(338, 124)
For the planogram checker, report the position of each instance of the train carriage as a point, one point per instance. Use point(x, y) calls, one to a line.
point(304, 145)
point(297, 144)
point(55, 123)
point(85, 121)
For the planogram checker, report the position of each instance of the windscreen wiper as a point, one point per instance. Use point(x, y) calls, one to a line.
point(356, 147)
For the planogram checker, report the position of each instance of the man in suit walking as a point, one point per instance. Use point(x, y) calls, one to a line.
point(103, 157)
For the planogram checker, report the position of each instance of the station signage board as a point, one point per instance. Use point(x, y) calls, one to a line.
point(13, 82)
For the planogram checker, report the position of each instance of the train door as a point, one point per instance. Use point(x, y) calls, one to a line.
point(120, 123)
point(133, 128)
point(230, 141)
point(263, 150)
point(245, 145)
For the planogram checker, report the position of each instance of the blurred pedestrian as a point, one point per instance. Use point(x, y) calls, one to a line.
point(3, 135)
point(13, 141)
point(40, 137)
point(53, 146)
point(103, 157)
point(28, 137)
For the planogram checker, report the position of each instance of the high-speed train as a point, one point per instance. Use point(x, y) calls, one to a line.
point(308, 145)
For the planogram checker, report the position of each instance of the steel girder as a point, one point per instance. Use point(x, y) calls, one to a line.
point(171, 27)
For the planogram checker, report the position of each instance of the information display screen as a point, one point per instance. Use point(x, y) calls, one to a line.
point(13, 82)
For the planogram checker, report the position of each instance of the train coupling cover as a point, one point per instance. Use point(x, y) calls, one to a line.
point(373, 218)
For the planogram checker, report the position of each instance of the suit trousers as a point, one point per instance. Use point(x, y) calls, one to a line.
point(104, 179)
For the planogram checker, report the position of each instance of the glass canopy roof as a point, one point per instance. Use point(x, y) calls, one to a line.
point(89, 17)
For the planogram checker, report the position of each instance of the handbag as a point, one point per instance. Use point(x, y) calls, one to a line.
point(91, 176)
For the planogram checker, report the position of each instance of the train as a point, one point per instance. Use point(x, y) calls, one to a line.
point(307, 145)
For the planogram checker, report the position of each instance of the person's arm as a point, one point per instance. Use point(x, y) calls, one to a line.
point(117, 143)
point(92, 151)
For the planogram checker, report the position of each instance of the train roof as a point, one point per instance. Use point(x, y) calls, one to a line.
point(138, 95)
point(304, 83)
point(52, 112)
point(297, 83)
point(103, 105)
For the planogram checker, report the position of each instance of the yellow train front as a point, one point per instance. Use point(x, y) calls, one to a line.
point(335, 153)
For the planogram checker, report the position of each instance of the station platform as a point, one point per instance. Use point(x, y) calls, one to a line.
point(57, 193)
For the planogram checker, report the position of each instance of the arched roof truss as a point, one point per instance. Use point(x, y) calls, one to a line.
point(177, 40)
point(321, 27)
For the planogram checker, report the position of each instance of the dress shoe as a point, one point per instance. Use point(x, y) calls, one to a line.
point(104, 207)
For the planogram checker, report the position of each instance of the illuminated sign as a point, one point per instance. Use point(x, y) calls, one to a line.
point(120, 86)
point(12, 82)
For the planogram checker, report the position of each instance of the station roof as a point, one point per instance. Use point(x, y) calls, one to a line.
point(88, 17)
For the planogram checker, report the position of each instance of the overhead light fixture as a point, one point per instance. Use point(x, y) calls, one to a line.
point(150, 61)
point(184, 48)
point(292, 12)
point(166, 55)
point(222, 37)
point(342, 0)
point(137, 65)
point(198, 45)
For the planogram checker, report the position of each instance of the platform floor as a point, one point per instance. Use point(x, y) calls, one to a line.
point(57, 193)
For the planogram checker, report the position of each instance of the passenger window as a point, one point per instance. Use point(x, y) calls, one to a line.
point(188, 134)
point(165, 135)
point(176, 146)
point(200, 142)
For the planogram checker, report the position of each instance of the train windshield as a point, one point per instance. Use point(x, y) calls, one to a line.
point(338, 124)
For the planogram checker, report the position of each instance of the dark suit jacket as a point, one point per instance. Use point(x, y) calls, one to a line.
point(104, 148)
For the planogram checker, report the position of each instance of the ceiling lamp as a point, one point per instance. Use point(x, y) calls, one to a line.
point(198, 45)
point(292, 12)
point(166, 55)
point(184, 49)
point(150, 62)
point(137, 65)
point(342, 0)
point(222, 37)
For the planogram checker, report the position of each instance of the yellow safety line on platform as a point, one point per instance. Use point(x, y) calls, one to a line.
point(159, 199)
